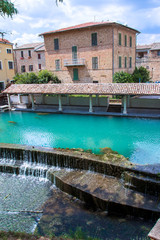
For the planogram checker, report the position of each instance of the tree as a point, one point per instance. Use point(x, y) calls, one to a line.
point(43, 76)
point(122, 77)
point(7, 8)
point(141, 75)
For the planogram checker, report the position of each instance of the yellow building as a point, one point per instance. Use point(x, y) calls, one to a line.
point(6, 63)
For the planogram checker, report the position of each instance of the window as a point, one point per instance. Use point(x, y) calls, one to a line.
point(30, 68)
point(39, 56)
point(95, 81)
point(10, 64)
point(74, 52)
point(22, 56)
point(1, 86)
point(29, 53)
point(125, 40)
point(9, 50)
point(130, 62)
point(120, 39)
point(130, 41)
point(125, 62)
point(0, 65)
point(57, 64)
point(120, 61)
point(75, 74)
point(158, 53)
point(56, 44)
point(94, 62)
point(23, 69)
point(94, 39)
point(39, 66)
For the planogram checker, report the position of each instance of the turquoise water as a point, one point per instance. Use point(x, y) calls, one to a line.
point(135, 138)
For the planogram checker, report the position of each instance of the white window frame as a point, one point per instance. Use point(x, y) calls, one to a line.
point(9, 49)
point(1, 65)
point(12, 63)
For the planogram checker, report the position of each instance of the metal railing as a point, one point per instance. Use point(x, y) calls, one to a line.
point(74, 62)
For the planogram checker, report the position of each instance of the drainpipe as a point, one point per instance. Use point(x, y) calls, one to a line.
point(112, 53)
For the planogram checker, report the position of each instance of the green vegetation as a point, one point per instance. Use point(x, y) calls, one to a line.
point(43, 76)
point(122, 77)
point(78, 234)
point(7, 8)
point(139, 75)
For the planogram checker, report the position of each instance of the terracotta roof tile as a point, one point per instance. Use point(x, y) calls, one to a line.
point(86, 88)
point(2, 40)
point(29, 45)
point(84, 25)
point(153, 46)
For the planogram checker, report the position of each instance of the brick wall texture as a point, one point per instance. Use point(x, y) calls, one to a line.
point(107, 51)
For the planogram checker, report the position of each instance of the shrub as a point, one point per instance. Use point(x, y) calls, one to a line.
point(141, 75)
point(43, 76)
point(122, 77)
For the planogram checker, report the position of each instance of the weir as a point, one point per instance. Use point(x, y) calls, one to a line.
point(115, 187)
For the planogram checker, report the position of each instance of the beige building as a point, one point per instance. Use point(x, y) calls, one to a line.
point(6, 63)
point(148, 56)
point(90, 52)
point(29, 57)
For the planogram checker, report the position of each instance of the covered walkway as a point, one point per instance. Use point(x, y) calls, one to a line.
point(93, 105)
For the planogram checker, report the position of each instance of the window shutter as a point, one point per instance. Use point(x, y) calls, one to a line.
point(94, 39)
point(75, 74)
point(56, 44)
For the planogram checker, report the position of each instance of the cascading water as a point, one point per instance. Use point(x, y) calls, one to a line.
point(34, 170)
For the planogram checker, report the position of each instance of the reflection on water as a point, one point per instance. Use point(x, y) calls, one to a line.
point(63, 214)
point(23, 199)
point(132, 137)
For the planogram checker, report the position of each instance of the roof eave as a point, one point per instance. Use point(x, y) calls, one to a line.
point(102, 24)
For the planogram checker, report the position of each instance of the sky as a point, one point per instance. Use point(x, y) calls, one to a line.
point(38, 16)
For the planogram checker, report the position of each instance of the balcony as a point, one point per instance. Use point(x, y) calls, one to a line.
point(142, 59)
point(74, 62)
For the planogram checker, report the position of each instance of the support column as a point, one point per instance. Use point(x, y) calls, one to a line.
point(60, 103)
point(9, 101)
point(32, 100)
point(90, 104)
point(19, 98)
point(125, 104)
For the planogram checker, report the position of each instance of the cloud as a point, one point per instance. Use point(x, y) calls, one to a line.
point(27, 38)
point(40, 16)
point(148, 38)
point(43, 23)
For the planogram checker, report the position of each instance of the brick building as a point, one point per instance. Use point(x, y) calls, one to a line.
point(6, 63)
point(90, 52)
point(148, 56)
point(29, 57)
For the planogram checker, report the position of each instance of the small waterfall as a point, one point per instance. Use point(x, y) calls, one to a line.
point(34, 170)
